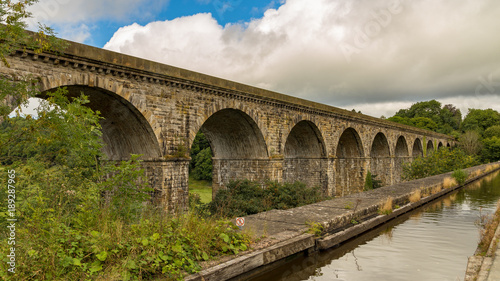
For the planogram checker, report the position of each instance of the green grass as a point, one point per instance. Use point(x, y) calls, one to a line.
point(201, 187)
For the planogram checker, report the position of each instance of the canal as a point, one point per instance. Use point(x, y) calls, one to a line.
point(430, 243)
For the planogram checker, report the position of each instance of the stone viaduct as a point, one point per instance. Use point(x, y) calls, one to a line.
point(156, 110)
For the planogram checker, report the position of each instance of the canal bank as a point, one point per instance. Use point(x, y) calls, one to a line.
point(484, 265)
point(284, 232)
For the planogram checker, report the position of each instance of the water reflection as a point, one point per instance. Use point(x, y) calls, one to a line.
point(431, 243)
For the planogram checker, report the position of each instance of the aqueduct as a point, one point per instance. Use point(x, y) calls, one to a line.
point(156, 110)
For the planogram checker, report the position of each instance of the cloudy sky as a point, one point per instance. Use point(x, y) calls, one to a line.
point(371, 55)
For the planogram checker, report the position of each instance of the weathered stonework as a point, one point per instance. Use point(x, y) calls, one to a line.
point(156, 110)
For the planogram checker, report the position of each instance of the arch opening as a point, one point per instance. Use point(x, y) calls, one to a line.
point(305, 156)
point(304, 141)
point(402, 156)
point(349, 163)
point(417, 150)
point(238, 147)
point(401, 147)
point(380, 146)
point(234, 135)
point(380, 164)
point(430, 147)
point(349, 145)
point(201, 168)
point(125, 130)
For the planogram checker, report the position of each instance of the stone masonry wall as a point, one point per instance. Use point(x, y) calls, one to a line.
point(312, 172)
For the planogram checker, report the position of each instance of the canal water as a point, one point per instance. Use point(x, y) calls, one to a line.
point(430, 243)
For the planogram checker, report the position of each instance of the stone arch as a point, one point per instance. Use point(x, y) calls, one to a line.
point(349, 144)
point(234, 135)
point(305, 155)
point(440, 145)
point(402, 155)
point(125, 130)
point(380, 146)
point(238, 146)
point(349, 163)
point(213, 108)
point(305, 141)
point(401, 149)
point(380, 162)
point(430, 147)
point(448, 145)
point(417, 149)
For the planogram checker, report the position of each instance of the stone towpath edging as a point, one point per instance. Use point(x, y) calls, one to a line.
point(480, 267)
point(284, 232)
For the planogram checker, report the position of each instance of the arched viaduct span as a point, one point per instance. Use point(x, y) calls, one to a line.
point(156, 110)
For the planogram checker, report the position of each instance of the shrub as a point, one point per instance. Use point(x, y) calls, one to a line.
point(460, 176)
point(439, 162)
point(371, 182)
point(70, 231)
point(246, 197)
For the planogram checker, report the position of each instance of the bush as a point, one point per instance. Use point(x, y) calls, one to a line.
point(460, 176)
point(246, 197)
point(371, 182)
point(439, 162)
point(170, 247)
point(67, 229)
point(491, 149)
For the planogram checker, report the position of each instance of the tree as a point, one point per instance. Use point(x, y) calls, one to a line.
point(401, 120)
point(203, 165)
point(14, 37)
point(430, 116)
point(200, 142)
point(66, 229)
point(201, 158)
point(430, 109)
point(470, 142)
point(480, 119)
point(493, 131)
point(424, 123)
point(451, 115)
point(491, 149)
point(60, 179)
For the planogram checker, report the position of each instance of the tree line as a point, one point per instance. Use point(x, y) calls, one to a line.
point(478, 133)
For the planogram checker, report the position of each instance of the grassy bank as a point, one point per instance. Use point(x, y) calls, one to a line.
point(201, 187)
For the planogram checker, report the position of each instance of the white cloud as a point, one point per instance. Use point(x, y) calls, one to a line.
point(338, 52)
